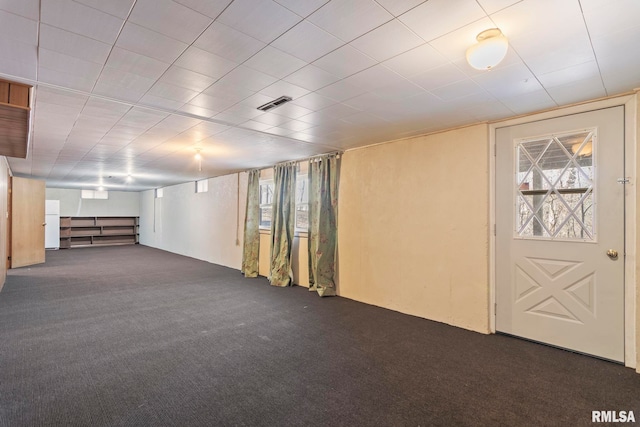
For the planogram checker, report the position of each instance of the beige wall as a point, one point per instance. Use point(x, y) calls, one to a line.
point(637, 141)
point(413, 227)
point(4, 186)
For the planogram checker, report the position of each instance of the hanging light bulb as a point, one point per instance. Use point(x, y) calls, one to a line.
point(489, 51)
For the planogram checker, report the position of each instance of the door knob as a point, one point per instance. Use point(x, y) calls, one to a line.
point(612, 253)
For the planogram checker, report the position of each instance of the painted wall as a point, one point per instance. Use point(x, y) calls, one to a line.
point(637, 182)
point(207, 226)
point(413, 226)
point(119, 203)
point(4, 186)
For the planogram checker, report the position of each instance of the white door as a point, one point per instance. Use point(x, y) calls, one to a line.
point(560, 232)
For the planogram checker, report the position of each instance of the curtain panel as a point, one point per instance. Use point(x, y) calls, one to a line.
point(324, 175)
point(251, 247)
point(283, 224)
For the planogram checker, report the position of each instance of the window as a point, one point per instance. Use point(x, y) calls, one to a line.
point(266, 200)
point(97, 194)
point(554, 186)
point(159, 193)
point(202, 186)
point(302, 203)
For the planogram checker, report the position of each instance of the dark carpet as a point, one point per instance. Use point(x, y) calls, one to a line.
point(134, 336)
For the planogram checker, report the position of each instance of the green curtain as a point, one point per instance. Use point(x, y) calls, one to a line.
point(283, 224)
point(324, 174)
point(251, 247)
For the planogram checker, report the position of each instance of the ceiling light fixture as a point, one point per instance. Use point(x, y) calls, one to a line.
point(587, 149)
point(489, 51)
point(198, 157)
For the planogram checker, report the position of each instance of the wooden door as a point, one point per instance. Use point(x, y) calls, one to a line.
point(27, 222)
point(560, 232)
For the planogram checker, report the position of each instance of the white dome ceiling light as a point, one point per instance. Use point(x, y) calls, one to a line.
point(489, 51)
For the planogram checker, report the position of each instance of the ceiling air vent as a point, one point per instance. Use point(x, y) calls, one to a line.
point(275, 103)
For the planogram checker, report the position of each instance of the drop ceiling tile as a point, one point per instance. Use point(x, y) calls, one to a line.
point(279, 131)
point(203, 62)
point(435, 18)
point(251, 124)
point(375, 77)
point(117, 84)
point(228, 43)
point(569, 75)
point(617, 51)
point(162, 102)
point(67, 64)
point(245, 110)
point(230, 118)
point(307, 42)
point(198, 111)
point(492, 6)
point(210, 8)
point(272, 119)
point(72, 44)
point(135, 63)
point(282, 88)
point(540, 50)
point(340, 91)
point(18, 28)
point(247, 78)
point(344, 61)
point(78, 18)
point(142, 118)
point(18, 59)
point(509, 81)
point(211, 102)
point(264, 20)
point(169, 18)
point(232, 92)
point(534, 101)
point(291, 111)
point(398, 91)
point(296, 125)
point(173, 92)
point(398, 7)
point(311, 78)
point(416, 61)
point(439, 76)
point(26, 8)
point(188, 79)
point(302, 7)
point(328, 115)
point(150, 43)
point(119, 8)
point(367, 101)
point(460, 89)
point(604, 18)
point(313, 101)
point(60, 97)
point(348, 19)
point(577, 91)
point(387, 41)
point(274, 62)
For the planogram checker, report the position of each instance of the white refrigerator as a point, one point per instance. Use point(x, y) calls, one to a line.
point(52, 227)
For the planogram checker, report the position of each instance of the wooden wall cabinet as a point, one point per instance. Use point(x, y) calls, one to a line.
point(81, 231)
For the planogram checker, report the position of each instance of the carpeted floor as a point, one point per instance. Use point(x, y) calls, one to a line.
point(134, 336)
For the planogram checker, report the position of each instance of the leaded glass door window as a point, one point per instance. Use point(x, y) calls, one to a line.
point(555, 195)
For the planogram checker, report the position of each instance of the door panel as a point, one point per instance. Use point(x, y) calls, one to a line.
point(27, 222)
point(559, 209)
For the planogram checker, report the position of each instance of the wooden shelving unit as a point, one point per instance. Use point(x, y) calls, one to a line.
point(98, 230)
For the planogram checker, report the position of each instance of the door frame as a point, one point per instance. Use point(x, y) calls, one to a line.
point(629, 102)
